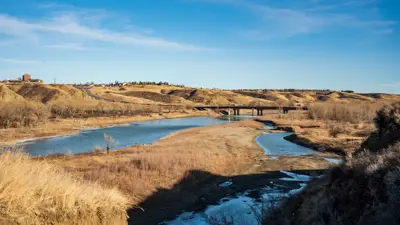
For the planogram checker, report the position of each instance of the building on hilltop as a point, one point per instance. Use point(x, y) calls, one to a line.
point(26, 77)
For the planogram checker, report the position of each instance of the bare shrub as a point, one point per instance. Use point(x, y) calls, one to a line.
point(353, 113)
point(98, 149)
point(110, 142)
point(23, 114)
point(94, 108)
point(334, 130)
point(388, 118)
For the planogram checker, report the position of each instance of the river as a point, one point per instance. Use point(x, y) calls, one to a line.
point(132, 134)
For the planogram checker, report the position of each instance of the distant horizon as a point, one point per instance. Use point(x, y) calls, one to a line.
point(229, 44)
point(216, 88)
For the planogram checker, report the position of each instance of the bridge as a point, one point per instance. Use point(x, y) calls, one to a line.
point(260, 109)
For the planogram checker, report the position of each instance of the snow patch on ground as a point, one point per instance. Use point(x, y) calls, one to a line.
point(226, 184)
point(295, 177)
point(242, 209)
point(332, 160)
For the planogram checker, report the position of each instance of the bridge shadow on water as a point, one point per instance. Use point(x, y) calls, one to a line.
point(200, 189)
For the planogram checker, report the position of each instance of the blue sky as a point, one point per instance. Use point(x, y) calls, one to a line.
point(333, 44)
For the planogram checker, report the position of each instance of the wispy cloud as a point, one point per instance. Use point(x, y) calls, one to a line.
point(68, 23)
point(71, 46)
point(316, 16)
point(391, 85)
point(340, 5)
point(18, 61)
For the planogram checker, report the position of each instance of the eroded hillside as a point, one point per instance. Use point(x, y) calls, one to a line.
point(154, 94)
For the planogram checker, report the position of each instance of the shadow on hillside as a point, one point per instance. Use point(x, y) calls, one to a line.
point(200, 189)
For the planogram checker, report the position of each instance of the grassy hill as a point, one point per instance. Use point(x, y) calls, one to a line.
point(154, 94)
point(48, 93)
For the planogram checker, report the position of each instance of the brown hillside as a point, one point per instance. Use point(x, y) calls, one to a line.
point(48, 93)
point(216, 97)
point(7, 95)
point(154, 96)
point(123, 98)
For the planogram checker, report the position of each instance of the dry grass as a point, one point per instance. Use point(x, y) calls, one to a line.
point(353, 113)
point(35, 192)
point(336, 129)
point(8, 95)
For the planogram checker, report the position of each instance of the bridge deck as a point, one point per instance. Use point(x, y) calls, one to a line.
point(253, 107)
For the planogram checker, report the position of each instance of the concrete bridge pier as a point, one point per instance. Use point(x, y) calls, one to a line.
point(260, 112)
point(285, 111)
point(236, 112)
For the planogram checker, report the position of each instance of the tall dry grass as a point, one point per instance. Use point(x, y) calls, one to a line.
point(344, 112)
point(35, 192)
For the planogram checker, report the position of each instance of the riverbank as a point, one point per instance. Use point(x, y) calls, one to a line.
point(65, 127)
point(341, 138)
point(182, 171)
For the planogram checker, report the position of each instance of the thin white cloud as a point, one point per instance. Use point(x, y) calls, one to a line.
point(341, 5)
point(19, 61)
point(69, 24)
point(391, 85)
point(70, 46)
point(308, 18)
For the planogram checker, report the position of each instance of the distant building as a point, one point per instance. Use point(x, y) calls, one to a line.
point(26, 77)
point(36, 80)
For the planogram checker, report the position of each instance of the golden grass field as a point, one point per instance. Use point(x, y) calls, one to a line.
point(36, 192)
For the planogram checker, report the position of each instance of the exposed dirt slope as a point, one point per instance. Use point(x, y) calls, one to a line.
point(7, 95)
point(48, 93)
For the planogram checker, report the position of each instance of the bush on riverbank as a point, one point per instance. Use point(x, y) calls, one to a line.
point(353, 113)
point(30, 114)
point(35, 192)
point(387, 132)
point(93, 108)
point(22, 114)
